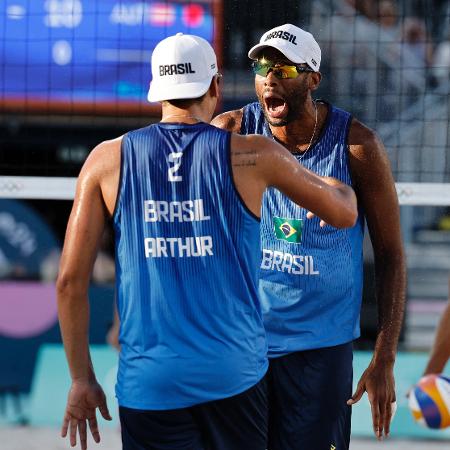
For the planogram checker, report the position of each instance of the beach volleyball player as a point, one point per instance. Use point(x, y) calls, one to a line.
point(312, 316)
point(185, 200)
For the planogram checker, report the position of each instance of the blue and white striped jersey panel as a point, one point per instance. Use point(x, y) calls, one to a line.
point(310, 277)
point(187, 261)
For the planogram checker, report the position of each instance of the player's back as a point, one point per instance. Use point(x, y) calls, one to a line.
point(186, 257)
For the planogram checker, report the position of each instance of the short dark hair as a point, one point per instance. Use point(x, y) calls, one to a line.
point(185, 102)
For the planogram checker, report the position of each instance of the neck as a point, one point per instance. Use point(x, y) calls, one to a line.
point(297, 135)
point(193, 114)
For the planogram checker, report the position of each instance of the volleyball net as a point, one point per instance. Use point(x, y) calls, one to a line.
point(76, 72)
point(63, 188)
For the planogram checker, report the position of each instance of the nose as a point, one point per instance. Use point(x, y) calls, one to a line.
point(271, 79)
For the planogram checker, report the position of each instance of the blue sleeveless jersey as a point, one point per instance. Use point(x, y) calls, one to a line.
point(187, 265)
point(310, 284)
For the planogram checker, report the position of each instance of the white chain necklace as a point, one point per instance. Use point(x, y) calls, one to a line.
point(302, 154)
point(313, 134)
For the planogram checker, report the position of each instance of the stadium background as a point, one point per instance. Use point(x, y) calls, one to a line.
point(75, 72)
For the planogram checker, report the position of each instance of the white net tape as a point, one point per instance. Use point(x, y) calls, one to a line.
point(63, 188)
point(51, 188)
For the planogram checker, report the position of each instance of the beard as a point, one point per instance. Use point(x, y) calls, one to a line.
point(295, 100)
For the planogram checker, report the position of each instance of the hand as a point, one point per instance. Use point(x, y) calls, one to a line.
point(310, 215)
point(408, 392)
point(84, 397)
point(112, 337)
point(378, 381)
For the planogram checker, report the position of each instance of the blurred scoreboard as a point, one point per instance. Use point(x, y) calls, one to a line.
point(89, 54)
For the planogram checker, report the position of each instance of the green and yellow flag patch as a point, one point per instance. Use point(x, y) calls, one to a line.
point(289, 230)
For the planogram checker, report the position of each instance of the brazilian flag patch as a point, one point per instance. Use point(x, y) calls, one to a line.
point(289, 230)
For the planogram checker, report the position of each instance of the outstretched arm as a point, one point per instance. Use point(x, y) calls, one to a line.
point(86, 223)
point(259, 162)
point(440, 352)
point(376, 193)
point(112, 337)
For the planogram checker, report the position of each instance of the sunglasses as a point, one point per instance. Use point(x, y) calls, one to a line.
point(280, 71)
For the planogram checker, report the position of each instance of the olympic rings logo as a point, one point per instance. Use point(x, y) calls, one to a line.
point(9, 186)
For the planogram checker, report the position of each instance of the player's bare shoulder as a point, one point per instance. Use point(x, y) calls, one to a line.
point(369, 162)
point(101, 171)
point(230, 120)
point(103, 160)
point(364, 143)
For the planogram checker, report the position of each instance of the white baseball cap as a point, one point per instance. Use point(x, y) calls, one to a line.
point(182, 67)
point(296, 44)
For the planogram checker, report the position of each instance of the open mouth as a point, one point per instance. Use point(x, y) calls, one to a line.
point(276, 107)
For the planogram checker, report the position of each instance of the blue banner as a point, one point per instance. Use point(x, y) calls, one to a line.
point(52, 382)
point(26, 241)
point(90, 51)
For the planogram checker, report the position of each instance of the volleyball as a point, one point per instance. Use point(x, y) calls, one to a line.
point(429, 401)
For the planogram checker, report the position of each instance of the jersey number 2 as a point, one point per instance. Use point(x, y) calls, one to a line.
point(175, 159)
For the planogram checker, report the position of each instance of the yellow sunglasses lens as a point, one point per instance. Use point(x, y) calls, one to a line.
point(285, 72)
point(280, 72)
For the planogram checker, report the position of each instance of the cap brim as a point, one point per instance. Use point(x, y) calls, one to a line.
point(158, 93)
point(252, 54)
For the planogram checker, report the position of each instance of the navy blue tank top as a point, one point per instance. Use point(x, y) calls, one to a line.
point(310, 284)
point(187, 262)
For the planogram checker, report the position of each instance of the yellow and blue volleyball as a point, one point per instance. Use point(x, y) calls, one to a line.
point(429, 401)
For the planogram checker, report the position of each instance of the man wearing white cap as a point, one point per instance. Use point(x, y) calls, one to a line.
point(184, 198)
point(311, 314)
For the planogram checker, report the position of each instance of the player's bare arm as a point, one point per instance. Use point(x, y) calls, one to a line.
point(375, 189)
point(259, 162)
point(94, 202)
point(230, 120)
point(440, 353)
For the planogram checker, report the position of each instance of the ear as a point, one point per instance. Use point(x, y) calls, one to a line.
point(314, 80)
point(214, 89)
